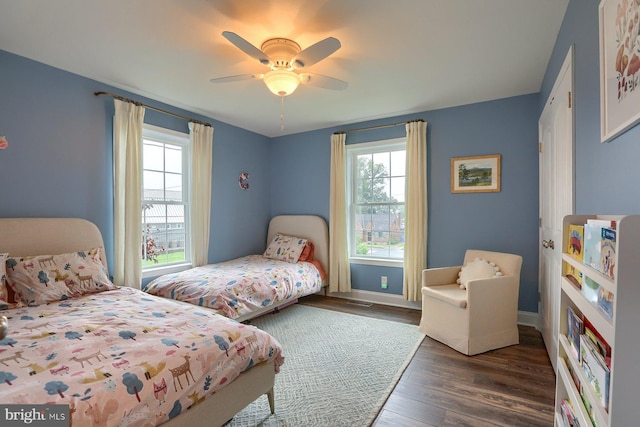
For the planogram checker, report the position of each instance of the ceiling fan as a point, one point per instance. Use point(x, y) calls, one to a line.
point(285, 58)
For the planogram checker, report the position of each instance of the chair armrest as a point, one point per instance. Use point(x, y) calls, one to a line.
point(440, 276)
point(485, 292)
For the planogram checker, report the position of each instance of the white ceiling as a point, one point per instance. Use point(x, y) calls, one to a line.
point(399, 57)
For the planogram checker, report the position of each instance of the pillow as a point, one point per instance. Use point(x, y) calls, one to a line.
point(307, 252)
point(285, 248)
point(47, 278)
point(4, 292)
point(34, 280)
point(91, 276)
point(477, 269)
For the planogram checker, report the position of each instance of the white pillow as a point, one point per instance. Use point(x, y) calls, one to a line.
point(477, 269)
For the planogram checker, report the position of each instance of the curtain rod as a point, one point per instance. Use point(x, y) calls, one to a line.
point(378, 127)
point(122, 98)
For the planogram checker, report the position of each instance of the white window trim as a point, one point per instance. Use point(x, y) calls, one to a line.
point(380, 262)
point(165, 269)
point(170, 136)
point(352, 152)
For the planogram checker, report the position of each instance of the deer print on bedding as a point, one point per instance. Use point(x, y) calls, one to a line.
point(124, 357)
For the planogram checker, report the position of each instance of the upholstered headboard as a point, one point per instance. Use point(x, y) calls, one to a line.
point(311, 227)
point(48, 236)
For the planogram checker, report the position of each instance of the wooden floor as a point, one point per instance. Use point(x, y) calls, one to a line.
point(512, 386)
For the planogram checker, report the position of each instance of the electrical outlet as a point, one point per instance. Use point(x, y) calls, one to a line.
point(383, 282)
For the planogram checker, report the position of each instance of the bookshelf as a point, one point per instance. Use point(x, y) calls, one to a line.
point(622, 331)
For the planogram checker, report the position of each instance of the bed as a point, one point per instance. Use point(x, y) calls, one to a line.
point(249, 286)
point(117, 356)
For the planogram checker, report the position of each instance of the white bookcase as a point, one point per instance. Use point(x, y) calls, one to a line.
point(622, 332)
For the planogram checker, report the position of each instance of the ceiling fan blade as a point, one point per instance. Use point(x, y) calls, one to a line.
point(237, 78)
point(316, 52)
point(324, 82)
point(247, 47)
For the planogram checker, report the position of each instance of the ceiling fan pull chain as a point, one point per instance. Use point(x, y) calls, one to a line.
point(282, 113)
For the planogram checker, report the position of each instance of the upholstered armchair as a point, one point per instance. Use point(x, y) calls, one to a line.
point(482, 317)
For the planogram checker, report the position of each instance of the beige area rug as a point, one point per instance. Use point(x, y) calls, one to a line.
point(339, 368)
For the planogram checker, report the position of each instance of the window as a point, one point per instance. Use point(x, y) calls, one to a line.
point(376, 184)
point(165, 199)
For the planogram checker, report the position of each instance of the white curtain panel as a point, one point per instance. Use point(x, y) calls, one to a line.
point(339, 269)
point(201, 137)
point(127, 153)
point(415, 231)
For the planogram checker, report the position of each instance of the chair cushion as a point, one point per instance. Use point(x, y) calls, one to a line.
point(451, 294)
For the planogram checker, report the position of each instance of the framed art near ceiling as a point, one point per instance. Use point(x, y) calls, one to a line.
point(477, 174)
point(619, 67)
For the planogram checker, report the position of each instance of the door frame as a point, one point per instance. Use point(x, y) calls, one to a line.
point(566, 70)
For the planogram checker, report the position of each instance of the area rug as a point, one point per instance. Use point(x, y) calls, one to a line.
point(339, 368)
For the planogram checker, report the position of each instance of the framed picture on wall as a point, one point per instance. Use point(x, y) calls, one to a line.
point(477, 174)
point(619, 67)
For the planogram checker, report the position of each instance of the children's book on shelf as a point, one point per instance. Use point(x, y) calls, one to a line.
point(608, 252)
point(575, 241)
point(574, 275)
point(605, 302)
point(568, 416)
point(608, 223)
point(600, 343)
point(575, 328)
point(592, 244)
point(589, 407)
point(595, 370)
point(590, 289)
point(574, 376)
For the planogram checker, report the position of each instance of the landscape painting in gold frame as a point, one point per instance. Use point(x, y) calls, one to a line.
point(476, 174)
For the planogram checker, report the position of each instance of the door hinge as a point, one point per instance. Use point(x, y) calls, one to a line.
point(569, 95)
point(539, 222)
point(539, 297)
point(539, 147)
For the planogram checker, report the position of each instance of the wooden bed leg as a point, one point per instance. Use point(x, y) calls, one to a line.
point(270, 396)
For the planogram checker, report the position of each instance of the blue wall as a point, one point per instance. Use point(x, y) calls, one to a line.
point(59, 160)
point(605, 173)
point(59, 164)
point(504, 221)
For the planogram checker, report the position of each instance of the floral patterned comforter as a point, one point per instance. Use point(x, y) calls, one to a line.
point(123, 356)
point(241, 286)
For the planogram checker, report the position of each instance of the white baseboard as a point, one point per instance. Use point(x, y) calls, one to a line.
point(377, 298)
point(526, 318)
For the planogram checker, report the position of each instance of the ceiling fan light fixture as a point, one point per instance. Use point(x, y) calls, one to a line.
point(282, 82)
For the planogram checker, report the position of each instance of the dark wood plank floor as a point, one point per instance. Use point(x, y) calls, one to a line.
point(512, 386)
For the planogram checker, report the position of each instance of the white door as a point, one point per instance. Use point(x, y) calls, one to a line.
point(556, 198)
